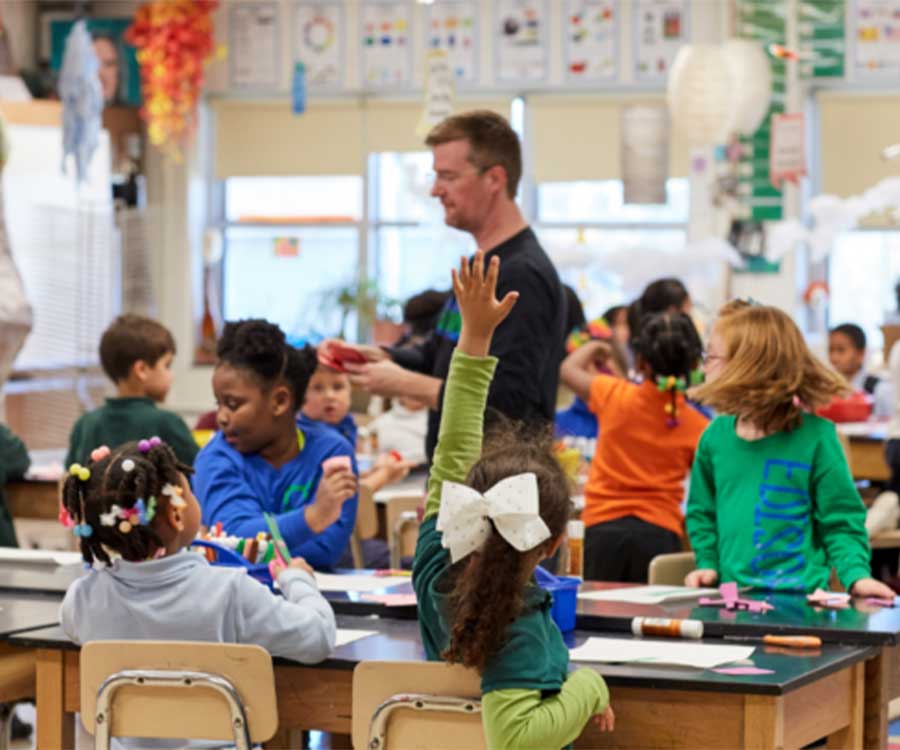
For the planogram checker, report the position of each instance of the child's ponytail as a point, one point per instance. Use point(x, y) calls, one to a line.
point(670, 345)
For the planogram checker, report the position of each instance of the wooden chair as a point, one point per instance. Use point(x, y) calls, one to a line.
point(390, 712)
point(366, 525)
point(216, 691)
point(17, 682)
point(670, 570)
point(401, 520)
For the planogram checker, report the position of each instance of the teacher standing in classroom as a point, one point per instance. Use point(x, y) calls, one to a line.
point(477, 165)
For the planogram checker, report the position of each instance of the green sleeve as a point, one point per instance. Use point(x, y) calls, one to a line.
point(521, 719)
point(179, 437)
point(14, 458)
point(462, 423)
point(839, 515)
point(700, 519)
point(74, 444)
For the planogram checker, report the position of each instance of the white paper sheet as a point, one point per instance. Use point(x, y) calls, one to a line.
point(675, 653)
point(348, 635)
point(332, 582)
point(39, 556)
point(647, 594)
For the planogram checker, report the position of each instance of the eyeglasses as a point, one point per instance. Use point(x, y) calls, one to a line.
point(448, 178)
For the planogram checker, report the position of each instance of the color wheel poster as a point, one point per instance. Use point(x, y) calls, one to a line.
point(521, 40)
point(319, 42)
point(453, 28)
point(876, 26)
point(591, 29)
point(386, 47)
point(661, 28)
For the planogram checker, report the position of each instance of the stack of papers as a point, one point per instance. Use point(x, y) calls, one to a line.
point(672, 653)
point(348, 635)
point(647, 594)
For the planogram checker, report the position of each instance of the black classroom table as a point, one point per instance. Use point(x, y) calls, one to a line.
point(810, 694)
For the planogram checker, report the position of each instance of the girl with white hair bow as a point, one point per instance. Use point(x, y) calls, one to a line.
point(490, 518)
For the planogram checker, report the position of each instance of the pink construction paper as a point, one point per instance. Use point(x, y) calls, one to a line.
point(390, 600)
point(829, 599)
point(881, 602)
point(743, 670)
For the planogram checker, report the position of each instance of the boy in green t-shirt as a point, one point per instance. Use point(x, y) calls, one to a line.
point(136, 354)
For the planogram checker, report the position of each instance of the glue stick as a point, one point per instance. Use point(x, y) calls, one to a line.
point(661, 626)
point(576, 548)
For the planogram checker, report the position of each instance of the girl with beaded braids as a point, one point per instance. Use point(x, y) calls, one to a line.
point(263, 461)
point(133, 512)
point(645, 449)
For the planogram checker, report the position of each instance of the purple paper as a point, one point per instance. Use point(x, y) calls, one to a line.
point(743, 670)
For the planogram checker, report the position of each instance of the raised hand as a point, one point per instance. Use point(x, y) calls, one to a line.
point(476, 295)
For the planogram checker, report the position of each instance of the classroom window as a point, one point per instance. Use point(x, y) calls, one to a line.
point(594, 238)
point(291, 247)
point(863, 269)
point(411, 249)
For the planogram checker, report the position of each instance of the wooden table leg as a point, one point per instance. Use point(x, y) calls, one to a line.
point(763, 722)
point(851, 736)
point(55, 728)
point(878, 674)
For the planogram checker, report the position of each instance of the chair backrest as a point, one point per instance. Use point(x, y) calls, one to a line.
point(414, 708)
point(366, 514)
point(402, 525)
point(192, 710)
point(670, 570)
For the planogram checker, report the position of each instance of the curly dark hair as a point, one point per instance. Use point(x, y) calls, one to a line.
point(260, 348)
point(671, 347)
point(110, 484)
point(487, 592)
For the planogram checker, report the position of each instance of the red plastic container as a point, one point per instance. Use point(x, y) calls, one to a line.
point(857, 407)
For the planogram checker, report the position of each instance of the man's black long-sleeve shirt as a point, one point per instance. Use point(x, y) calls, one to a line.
point(529, 343)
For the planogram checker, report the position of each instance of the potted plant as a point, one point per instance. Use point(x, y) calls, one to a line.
point(376, 313)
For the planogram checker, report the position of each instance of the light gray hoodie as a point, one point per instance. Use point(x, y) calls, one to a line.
point(182, 597)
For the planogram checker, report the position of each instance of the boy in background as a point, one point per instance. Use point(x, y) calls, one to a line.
point(136, 353)
point(847, 354)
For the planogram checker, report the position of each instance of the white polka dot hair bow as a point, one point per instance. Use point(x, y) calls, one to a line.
point(512, 504)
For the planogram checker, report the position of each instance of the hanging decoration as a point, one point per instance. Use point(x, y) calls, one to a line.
point(174, 39)
point(717, 91)
point(82, 99)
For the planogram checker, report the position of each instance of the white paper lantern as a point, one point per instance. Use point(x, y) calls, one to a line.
point(700, 95)
point(751, 84)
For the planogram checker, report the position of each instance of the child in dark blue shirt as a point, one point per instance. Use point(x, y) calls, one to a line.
point(261, 461)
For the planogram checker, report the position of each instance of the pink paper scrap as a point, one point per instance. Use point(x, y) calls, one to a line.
point(743, 670)
point(391, 600)
point(829, 599)
point(875, 601)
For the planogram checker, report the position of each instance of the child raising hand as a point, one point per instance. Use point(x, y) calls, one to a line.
point(493, 512)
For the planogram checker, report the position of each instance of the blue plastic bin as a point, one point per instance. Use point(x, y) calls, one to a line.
point(230, 558)
point(564, 590)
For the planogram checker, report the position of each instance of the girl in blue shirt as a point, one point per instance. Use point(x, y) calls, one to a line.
point(260, 461)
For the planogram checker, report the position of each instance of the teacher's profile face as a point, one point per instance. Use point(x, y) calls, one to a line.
point(108, 55)
point(458, 186)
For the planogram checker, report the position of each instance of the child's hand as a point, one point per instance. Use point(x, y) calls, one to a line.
point(607, 720)
point(335, 488)
point(701, 577)
point(869, 587)
point(394, 469)
point(276, 567)
point(476, 295)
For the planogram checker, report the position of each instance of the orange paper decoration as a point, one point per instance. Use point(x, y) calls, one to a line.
point(174, 39)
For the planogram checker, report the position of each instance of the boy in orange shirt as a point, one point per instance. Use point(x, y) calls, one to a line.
point(645, 449)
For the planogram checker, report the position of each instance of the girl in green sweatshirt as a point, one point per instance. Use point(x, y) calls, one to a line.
point(489, 519)
point(772, 503)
